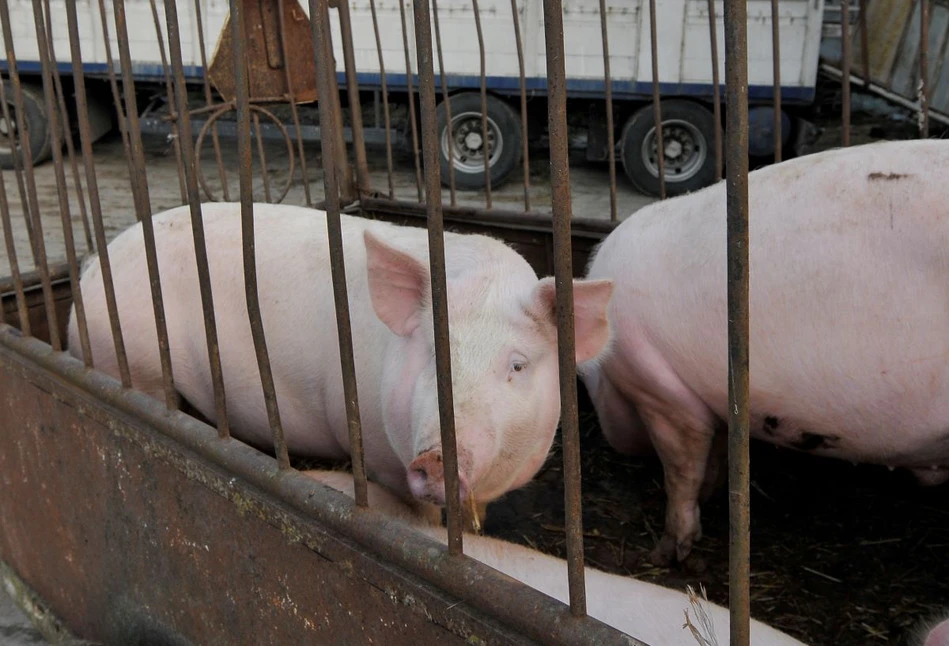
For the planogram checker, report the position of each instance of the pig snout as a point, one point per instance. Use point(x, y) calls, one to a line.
point(427, 478)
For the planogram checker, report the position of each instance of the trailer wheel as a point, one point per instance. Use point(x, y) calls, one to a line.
point(688, 134)
point(35, 107)
point(465, 145)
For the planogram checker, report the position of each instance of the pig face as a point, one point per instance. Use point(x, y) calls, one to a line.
point(505, 374)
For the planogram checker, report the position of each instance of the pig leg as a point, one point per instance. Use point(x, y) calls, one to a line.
point(619, 420)
point(716, 473)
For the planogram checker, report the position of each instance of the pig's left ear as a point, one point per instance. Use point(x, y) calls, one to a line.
point(590, 301)
point(398, 285)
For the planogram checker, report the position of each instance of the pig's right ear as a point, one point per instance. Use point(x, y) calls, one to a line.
point(398, 285)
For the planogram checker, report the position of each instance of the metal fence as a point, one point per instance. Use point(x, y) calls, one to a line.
point(345, 187)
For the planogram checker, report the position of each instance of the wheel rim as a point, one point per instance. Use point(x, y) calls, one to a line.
point(685, 150)
point(6, 130)
point(465, 144)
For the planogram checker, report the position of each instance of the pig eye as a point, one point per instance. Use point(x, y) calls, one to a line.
point(518, 366)
point(518, 363)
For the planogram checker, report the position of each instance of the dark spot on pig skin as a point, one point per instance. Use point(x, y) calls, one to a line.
point(886, 177)
point(814, 441)
point(770, 424)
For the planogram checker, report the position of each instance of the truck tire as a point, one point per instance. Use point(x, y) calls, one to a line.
point(465, 146)
point(34, 104)
point(688, 131)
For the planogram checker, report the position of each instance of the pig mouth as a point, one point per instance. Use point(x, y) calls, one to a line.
point(426, 478)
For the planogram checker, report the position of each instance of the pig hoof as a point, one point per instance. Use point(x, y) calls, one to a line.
point(695, 564)
point(662, 555)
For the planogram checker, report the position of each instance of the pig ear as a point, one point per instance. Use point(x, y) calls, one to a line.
point(590, 301)
point(938, 636)
point(397, 285)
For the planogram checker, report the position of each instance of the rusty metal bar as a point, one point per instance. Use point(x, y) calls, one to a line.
point(209, 101)
point(56, 130)
point(486, 139)
point(363, 184)
point(716, 90)
point(85, 139)
point(609, 107)
point(776, 59)
point(563, 273)
point(656, 107)
point(344, 169)
point(247, 234)
point(385, 98)
point(865, 43)
point(7, 227)
point(924, 67)
point(845, 69)
point(262, 156)
point(446, 101)
point(436, 247)
point(18, 171)
point(143, 207)
point(525, 146)
point(412, 120)
point(38, 243)
point(180, 96)
point(319, 17)
point(736, 146)
point(291, 98)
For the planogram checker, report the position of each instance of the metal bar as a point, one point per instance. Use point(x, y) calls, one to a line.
point(319, 15)
point(446, 101)
point(525, 146)
point(412, 121)
point(180, 96)
point(363, 184)
point(291, 98)
point(262, 155)
point(924, 67)
point(140, 196)
point(199, 25)
point(385, 98)
point(176, 135)
point(7, 226)
point(38, 243)
point(62, 190)
point(609, 107)
point(436, 248)
point(486, 140)
point(18, 171)
point(845, 66)
point(656, 107)
point(344, 169)
point(736, 146)
point(85, 139)
point(247, 233)
point(563, 275)
point(776, 59)
point(716, 90)
point(864, 42)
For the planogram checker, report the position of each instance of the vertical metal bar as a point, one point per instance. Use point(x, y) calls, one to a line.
point(446, 101)
point(924, 67)
point(363, 184)
point(199, 25)
point(319, 15)
point(486, 140)
point(865, 43)
point(609, 107)
point(175, 117)
point(436, 247)
point(62, 190)
point(522, 77)
point(344, 170)
point(716, 90)
point(85, 139)
point(38, 243)
point(736, 135)
point(18, 170)
point(180, 96)
point(262, 155)
point(656, 107)
point(291, 97)
point(563, 276)
point(385, 98)
point(7, 226)
point(776, 59)
point(845, 68)
point(412, 120)
point(140, 196)
point(247, 233)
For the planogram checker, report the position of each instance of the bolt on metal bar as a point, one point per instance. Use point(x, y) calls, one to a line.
point(436, 248)
point(924, 67)
point(522, 77)
point(563, 276)
point(385, 99)
point(140, 196)
point(656, 106)
point(845, 69)
point(7, 227)
point(446, 101)
point(776, 60)
point(56, 130)
point(262, 156)
point(85, 139)
point(363, 183)
point(291, 99)
point(716, 90)
point(865, 43)
point(736, 147)
point(319, 15)
point(38, 244)
point(485, 133)
point(609, 108)
point(209, 101)
point(11, 137)
point(412, 121)
point(189, 170)
point(247, 233)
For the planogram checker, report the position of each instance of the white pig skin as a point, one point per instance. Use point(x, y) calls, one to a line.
point(503, 341)
point(937, 635)
point(651, 613)
point(849, 320)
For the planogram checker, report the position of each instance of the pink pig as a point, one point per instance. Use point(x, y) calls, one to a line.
point(503, 341)
point(937, 635)
point(849, 321)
